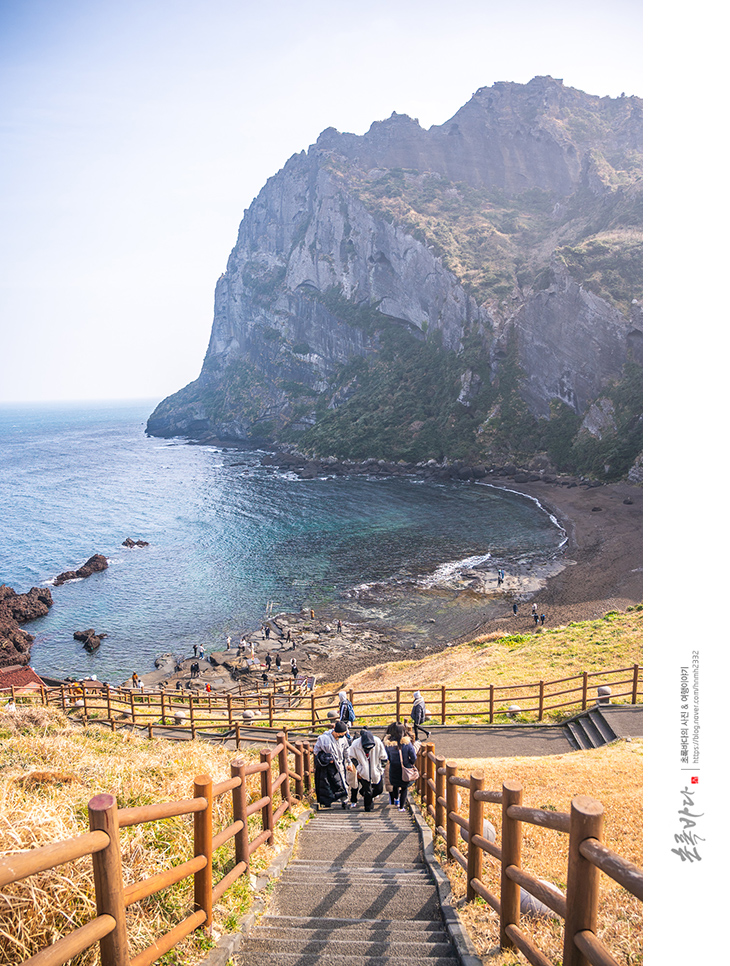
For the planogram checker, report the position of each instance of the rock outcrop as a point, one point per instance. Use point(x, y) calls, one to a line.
point(498, 253)
point(16, 609)
point(93, 565)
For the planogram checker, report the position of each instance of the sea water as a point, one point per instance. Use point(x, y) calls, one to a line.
point(229, 540)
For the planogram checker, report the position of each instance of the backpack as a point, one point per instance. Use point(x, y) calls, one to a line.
point(348, 713)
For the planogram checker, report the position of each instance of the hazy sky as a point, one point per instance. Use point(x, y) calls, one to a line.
point(135, 134)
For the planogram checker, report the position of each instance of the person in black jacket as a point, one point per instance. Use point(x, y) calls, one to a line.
point(418, 714)
point(401, 753)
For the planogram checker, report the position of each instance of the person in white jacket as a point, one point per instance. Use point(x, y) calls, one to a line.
point(368, 756)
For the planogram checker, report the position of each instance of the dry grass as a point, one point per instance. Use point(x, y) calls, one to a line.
point(49, 770)
point(612, 775)
point(613, 642)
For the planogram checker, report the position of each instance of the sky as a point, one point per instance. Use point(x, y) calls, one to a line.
point(134, 135)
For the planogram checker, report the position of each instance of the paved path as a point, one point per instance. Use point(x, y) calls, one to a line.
point(357, 891)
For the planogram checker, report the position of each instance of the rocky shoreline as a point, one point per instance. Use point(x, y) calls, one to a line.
point(600, 568)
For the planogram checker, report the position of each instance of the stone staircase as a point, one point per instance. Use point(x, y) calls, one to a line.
point(603, 724)
point(357, 892)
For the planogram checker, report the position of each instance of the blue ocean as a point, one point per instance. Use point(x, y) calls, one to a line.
point(229, 539)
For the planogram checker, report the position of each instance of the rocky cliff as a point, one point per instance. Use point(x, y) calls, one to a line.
point(467, 290)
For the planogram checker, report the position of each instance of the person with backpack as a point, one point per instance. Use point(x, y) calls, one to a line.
point(330, 782)
point(345, 712)
point(418, 714)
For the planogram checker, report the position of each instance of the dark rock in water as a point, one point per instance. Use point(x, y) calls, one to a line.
point(134, 543)
point(90, 639)
point(93, 565)
point(16, 609)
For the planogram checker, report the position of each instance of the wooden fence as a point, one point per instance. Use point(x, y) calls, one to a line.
point(102, 842)
point(183, 713)
point(438, 787)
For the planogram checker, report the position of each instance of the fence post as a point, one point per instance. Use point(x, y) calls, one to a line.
point(86, 701)
point(511, 855)
point(397, 703)
point(299, 769)
point(440, 815)
point(238, 735)
point(63, 697)
point(271, 710)
point(542, 701)
point(314, 711)
point(443, 704)
point(162, 707)
point(230, 712)
point(585, 690)
point(451, 806)
point(109, 702)
point(108, 883)
point(430, 750)
point(635, 685)
point(240, 801)
point(586, 822)
point(267, 812)
point(474, 855)
point(491, 704)
point(203, 845)
point(421, 780)
point(284, 767)
point(307, 768)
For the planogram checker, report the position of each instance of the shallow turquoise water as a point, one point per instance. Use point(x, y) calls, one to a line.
point(227, 537)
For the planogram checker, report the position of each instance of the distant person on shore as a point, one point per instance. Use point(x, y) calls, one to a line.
point(278, 662)
point(201, 652)
point(401, 754)
point(135, 680)
point(418, 714)
point(267, 632)
point(542, 618)
point(514, 609)
point(294, 668)
point(345, 712)
point(268, 662)
point(288, 636)
point(228, 644)
point(534, 610)
point(330, 781)
point(339, 626)
point(311, 614)
point(537, 619)
point(368, 755)
point(195, 650)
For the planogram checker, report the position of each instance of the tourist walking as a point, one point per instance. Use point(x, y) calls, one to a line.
point(418, 714)
point(514, 609)
point(401, 754)
point(330, 782)
point(367, 754)
point(345, 712)
point(268, 662)
point(294, 668)
point(278, 662)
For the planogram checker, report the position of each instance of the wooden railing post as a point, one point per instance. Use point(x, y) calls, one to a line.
point(240, 801)
point(307, 766)
point(203, 845)
point(109, 702)
point(314, 711)
point(421, 780)
point(491, 704)
point(131, 707)
point(584, 696)
point(271, 710)
point(541, 700)
point(451, 806)
point(430, 750)
point(267, 781)
point(586, 822)
point(440, 813)
point(238, 735)
point(299, 769)
point(162, 707)
point(63, 697)
point(511, 855)
point(108, 882)
point(635, 685)
point(397, 703)
point(284, 768)
point(443, 704)
point(230, 711)
point(476, 827)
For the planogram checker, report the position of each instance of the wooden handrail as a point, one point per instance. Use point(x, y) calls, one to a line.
point(102, 844)
point(587, 858)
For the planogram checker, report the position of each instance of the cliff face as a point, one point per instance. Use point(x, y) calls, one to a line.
point(499, 249)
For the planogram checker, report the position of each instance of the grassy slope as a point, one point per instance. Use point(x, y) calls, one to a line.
point(48, 772)
point(613, 642)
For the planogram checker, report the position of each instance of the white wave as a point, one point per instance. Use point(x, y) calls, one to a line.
point(453, 569)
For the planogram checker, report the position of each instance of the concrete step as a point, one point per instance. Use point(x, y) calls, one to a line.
point(350, 946)
point(352, 901)
point(603, 727)
point(274, 958)
point(417, 930)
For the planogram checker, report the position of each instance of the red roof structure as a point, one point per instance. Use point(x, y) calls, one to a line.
point(20, 677)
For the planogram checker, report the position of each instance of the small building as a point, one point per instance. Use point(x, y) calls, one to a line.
point(19, 678)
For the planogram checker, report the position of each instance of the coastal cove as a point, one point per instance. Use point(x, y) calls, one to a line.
point(231, 535)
